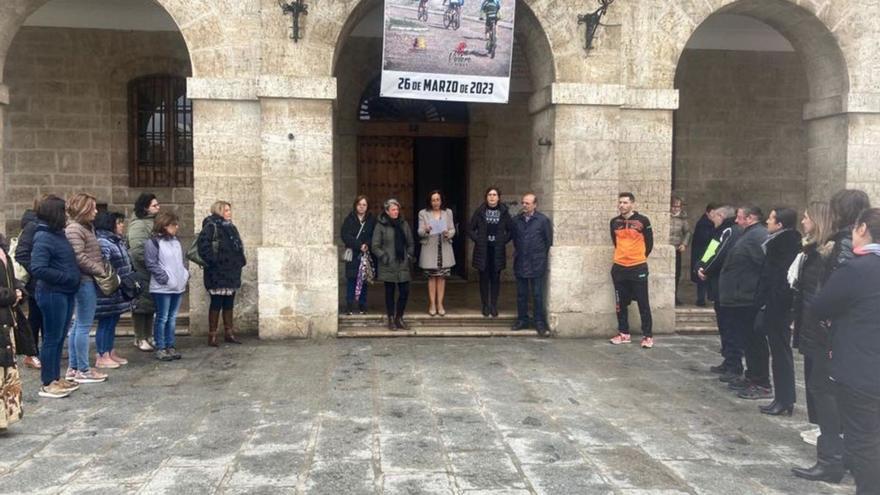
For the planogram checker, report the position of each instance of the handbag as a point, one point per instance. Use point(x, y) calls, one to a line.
point(192, 253)
point(131, 288)
point(24, 338)
point(348, 255)
point(109, 282)
point(7, 348)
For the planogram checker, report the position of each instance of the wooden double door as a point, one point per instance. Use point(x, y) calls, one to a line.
point(408, 168)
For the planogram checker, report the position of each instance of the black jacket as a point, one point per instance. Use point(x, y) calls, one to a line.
point(531, 241)
point(851, 299)
point(774, 294)
point(26, 244)
point(738, 284)
point(223, 269)
point(704, 232)
point(843, 249)
point(350, 228)
point(478, 231)
point(811, 335)
point(724, 238)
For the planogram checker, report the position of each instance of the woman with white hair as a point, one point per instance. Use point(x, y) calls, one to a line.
point(394, 249)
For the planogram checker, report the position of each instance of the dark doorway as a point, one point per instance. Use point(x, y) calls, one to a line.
point(440, 163)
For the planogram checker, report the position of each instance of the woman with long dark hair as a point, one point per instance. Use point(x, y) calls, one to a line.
point(489, 229)
point(851, 300)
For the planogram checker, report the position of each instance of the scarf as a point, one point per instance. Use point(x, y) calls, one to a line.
point(399, 238)
point(872, 248)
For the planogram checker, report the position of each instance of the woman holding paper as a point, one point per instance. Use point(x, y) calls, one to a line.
point(436, 230)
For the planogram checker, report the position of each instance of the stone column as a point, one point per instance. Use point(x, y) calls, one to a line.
point(602, 143)
point(4, 102)
point(227, 166)
point(298, 279)
point(863, 144)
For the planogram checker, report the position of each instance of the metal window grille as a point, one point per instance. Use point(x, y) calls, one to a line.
point(160, 132)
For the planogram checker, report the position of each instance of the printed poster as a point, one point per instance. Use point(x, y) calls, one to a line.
point(459, 50)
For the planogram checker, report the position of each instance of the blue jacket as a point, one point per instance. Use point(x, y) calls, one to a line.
point(113, 249)
point(53, 263)
point(531, 241)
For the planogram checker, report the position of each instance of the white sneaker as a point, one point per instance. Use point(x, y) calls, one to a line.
point(90, 376)
point(143, 345)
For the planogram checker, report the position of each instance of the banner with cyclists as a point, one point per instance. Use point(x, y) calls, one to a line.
point(457, 50)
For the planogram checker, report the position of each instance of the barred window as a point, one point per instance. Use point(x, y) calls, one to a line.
point(160, 132)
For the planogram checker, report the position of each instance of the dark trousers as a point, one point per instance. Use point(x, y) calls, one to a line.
point(402, 297)
point(490, 279)
point(535, 287)
point(731, 323)
point(829, 447)
point(627, 291)
point(702, 290)
point(35, 319)
point(57, 310)
point(351, 285)
point(757, 352)
point(779, 340)
point(811, 402)
point(677, 271)
point(860, 415)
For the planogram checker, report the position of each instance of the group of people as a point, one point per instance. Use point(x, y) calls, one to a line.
point(383, 248)
point(73, 266)
point(817, 288)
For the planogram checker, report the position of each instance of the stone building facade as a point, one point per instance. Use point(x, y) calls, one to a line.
point(275, 128)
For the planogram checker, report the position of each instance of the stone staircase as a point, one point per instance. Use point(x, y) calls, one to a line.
point(125, 327)
point(695, 320)
point(455, 324)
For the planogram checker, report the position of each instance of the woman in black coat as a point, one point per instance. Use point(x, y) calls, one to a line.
point(220, 246)
point(357, 235)
point(851, 300)
point(704, 231)
point(490, 230)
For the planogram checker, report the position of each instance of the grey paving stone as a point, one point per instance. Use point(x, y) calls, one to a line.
point(411, 453)
point(345, 439)
point(558, 479)
point(173, 480)
point(334, 478)
point(485, 470)
point(417, 484)
point(47, 474)
point(631, 467)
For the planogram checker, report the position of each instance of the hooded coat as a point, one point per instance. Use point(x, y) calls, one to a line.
point(478, 231)
point(113, 249)
point(139, 232)
point(391, 269)
point(223, 269)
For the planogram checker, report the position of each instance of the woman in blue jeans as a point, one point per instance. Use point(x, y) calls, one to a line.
point(110, 229)
point(163, 256)
point(53, 267)
point(80, 232)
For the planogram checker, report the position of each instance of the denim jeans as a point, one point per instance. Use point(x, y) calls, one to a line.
point(106, 334)
point(522, 299)
point(166, 319)
point(78, 346)
point(57, 310)
point(349, 293)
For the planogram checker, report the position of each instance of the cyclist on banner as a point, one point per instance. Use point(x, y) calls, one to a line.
point(452, 17)
point(423, 10)
point(490, 9)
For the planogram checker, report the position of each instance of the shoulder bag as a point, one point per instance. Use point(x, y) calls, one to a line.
point(109, 283)
point(348, 255)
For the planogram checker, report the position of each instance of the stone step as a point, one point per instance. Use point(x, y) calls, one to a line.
point(423, 320)
point(125, 327)
point(696, 329)
point(432, 331)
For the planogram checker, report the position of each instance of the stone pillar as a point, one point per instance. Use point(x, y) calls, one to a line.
point(298, 279)
point(605, 139)
point(227, 166)
point(863, 144)
point(827, 129)
point(4, 102)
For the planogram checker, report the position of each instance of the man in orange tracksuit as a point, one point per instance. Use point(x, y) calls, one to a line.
point(633, 241)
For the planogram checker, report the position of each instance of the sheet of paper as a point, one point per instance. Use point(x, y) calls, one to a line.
point(437, 226)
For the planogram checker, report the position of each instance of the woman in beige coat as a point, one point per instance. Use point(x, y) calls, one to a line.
point(436, 230)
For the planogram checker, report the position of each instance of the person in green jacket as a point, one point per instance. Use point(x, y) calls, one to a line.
point(394, 248)
point(139, 231)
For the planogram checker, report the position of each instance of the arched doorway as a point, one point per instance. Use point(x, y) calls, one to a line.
point(757, 82)
point(459, 148)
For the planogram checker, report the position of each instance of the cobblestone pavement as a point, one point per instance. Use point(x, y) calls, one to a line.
point(408, 416)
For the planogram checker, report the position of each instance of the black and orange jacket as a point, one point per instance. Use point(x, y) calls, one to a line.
point(633, 239)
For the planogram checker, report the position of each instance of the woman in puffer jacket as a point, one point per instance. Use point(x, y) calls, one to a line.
point(110, 229)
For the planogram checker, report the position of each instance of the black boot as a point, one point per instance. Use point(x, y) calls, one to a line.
point(400, 324)
point(391, 323)
point(493, 310)
point(348, 308)
point(831, 472)
point(486, 310)
point(778, 409)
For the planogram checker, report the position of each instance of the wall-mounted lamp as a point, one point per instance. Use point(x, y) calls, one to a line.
point(593, 21)
point(544, 142)
point(295, 8)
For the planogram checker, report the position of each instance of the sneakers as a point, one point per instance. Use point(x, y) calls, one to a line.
point(70, 386)
point(756, 392)
point(164, 355)
point(173, 353)
point(70, 374)
point(647, 342)
point(729, 376)
point(90, 376)
point(739, 384)
point(54, 391)
point(720, 369)
point(621, 338)
point(116, 357)
point(143, 345)
point(32, 362)
point(104, 361)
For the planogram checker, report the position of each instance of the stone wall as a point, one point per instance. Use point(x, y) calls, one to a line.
point(67, 122)
point(740, 136)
